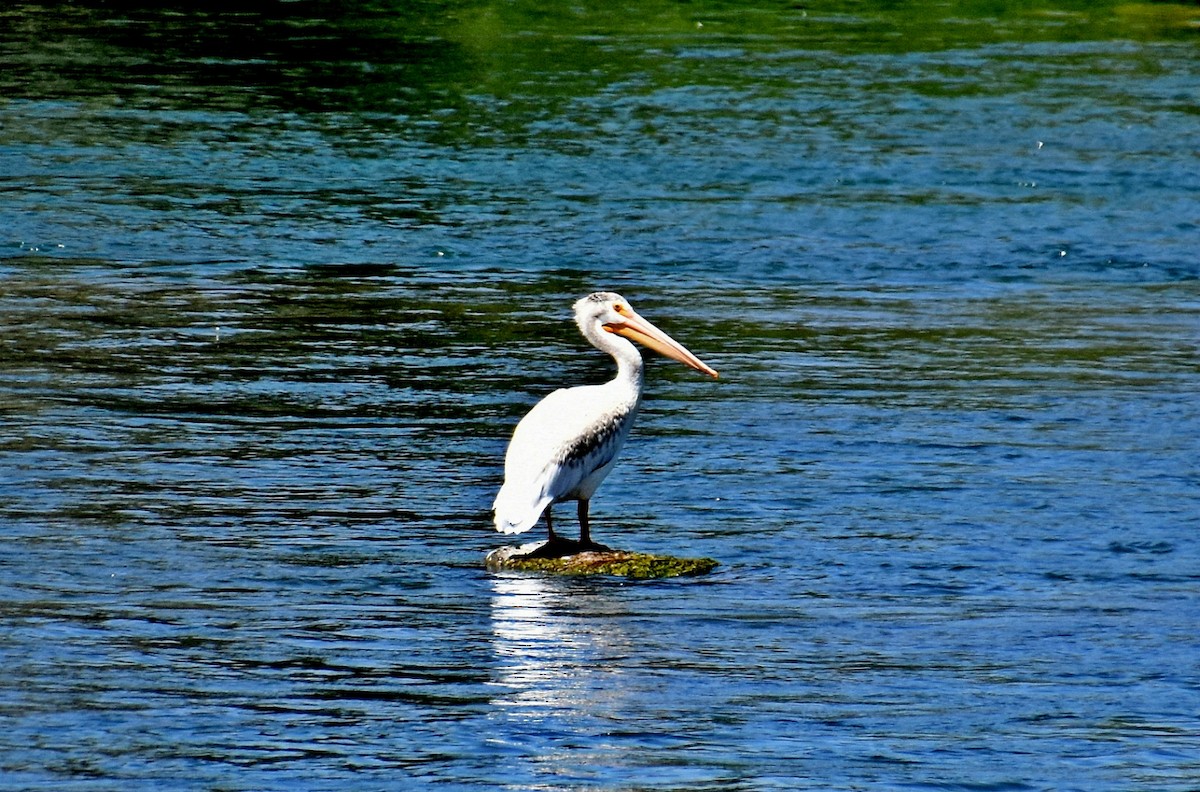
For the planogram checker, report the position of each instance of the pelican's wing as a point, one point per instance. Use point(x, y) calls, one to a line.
point(547, 459)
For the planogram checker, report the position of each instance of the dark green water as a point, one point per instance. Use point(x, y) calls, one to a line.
point(277, 280)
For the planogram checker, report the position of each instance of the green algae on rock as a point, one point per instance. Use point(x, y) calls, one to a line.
point(617, 563)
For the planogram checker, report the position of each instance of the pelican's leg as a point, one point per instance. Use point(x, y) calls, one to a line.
point(585, 536)
point(554, 546)
point(585, 532)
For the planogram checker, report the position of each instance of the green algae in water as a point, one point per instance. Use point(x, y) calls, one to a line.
point(617, 563)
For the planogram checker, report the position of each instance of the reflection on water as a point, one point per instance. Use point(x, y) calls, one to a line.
point(560, 656)
point(558, 652)
point(595, 686)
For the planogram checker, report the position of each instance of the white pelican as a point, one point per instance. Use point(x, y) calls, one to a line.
point(565, 446)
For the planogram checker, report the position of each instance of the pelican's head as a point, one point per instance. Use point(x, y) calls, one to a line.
point(608, 312)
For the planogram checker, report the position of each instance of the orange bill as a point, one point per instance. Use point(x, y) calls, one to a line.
point(635, 328)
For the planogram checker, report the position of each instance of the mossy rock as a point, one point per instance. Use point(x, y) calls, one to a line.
point(617, 563)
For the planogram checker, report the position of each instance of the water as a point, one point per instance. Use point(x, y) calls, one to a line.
point(276, 284)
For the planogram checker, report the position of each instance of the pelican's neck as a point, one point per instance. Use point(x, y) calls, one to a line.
point(630, 371)
point(629, 361)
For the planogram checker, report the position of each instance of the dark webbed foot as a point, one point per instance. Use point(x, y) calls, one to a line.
point(560, 547)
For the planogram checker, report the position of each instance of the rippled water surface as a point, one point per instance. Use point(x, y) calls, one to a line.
point(276, 283)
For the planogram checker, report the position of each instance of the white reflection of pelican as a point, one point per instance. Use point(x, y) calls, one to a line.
point(560, 664)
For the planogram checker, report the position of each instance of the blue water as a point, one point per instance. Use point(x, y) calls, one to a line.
point(276, 285)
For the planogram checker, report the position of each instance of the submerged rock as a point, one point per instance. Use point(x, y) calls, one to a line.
point(602, 561)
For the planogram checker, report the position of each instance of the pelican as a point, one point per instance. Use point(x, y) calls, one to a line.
point(565, 446)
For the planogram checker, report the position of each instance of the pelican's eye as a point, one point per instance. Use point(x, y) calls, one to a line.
point(622, 309)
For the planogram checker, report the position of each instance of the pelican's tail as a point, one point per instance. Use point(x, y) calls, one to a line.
point(515, 513)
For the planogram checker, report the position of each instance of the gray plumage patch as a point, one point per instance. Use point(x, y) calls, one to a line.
point(592, 442)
